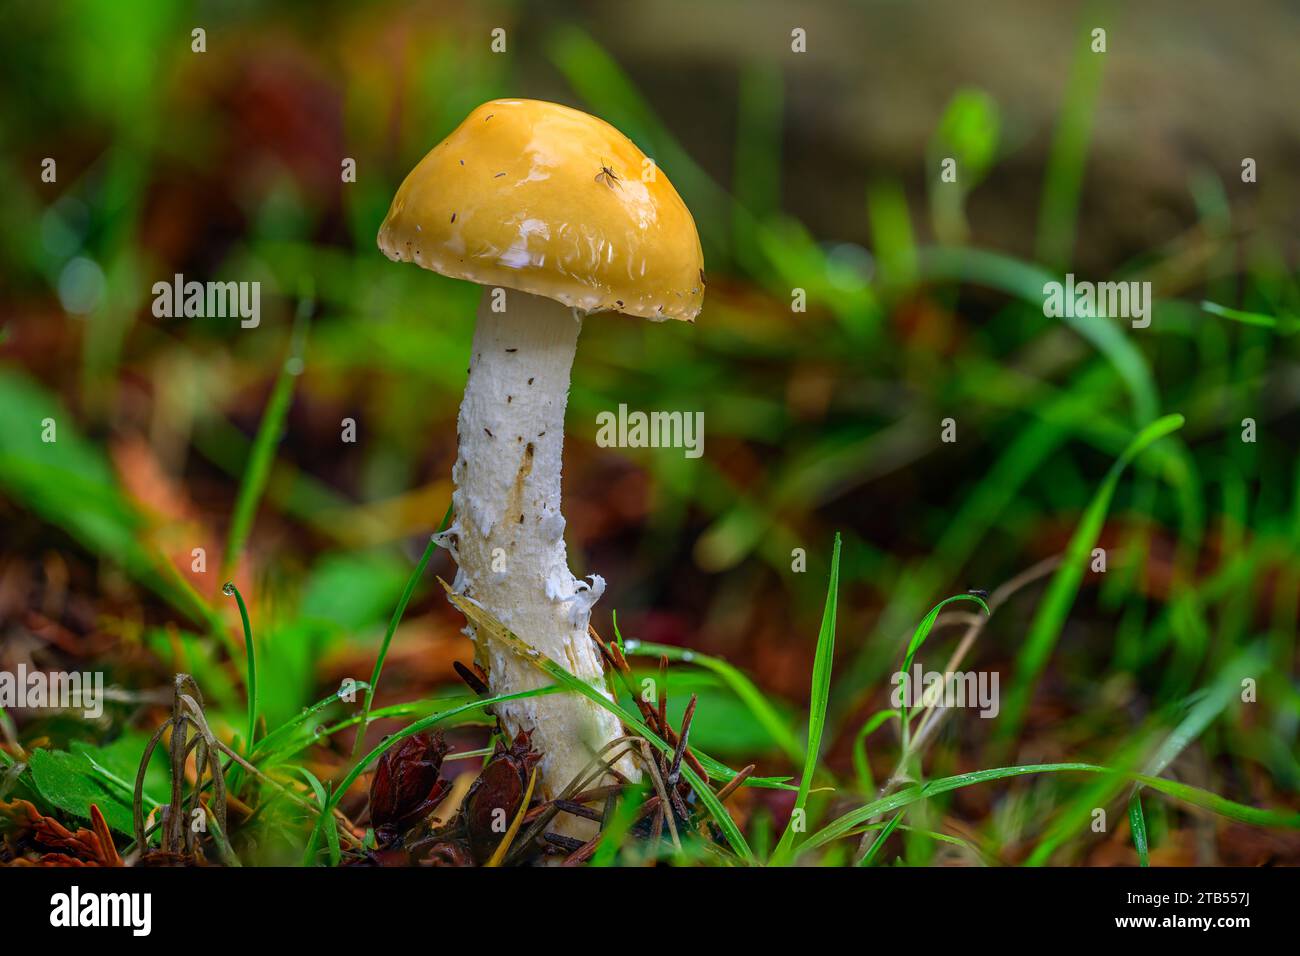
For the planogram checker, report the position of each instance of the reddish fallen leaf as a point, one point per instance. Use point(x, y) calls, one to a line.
point(105, 838)
point(56, 844)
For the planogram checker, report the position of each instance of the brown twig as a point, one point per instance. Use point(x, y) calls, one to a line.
point(566, 843)
point(601, 765)
point(651, 715)
point(935, 713)
point(573, 808)
point(661, 791)
point(735, 782)
point(674, 771)
point(583, 853)
point(472, 680)
point(663, 690)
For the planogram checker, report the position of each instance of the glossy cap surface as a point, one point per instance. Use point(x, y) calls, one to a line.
point(548, 200)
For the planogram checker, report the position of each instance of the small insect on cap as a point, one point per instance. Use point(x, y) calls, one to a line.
point(548, 200)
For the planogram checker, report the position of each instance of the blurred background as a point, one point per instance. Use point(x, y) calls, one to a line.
point(813, 170)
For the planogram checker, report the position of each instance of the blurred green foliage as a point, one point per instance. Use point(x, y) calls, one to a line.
point(226, 164)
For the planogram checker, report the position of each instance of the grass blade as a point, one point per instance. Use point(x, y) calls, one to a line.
point(880, 839)
point(1064, 587)
point(1137, 822)
point(1025, 282)
point(411, 582)
point(486, 622)
point(281, 733)
point(614, 832)
point(250, 669)
point(1195, 796)
point(1189, 728)
point(1284, 325)
point(918, 638)
point(325, 822)
point(262, 454)
point(422, 724)
point(767, 716)
point(821, 687)
point(1059, 213)
point(947, 838)
point(861, 765)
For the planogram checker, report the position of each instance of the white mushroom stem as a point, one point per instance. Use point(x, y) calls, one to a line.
point(508, 533)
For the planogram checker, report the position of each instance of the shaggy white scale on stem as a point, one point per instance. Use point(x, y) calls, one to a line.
point(508, 533)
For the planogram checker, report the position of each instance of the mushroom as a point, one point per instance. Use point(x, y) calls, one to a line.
point(557, 214)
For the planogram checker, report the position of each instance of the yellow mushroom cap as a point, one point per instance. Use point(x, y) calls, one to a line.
point(548, 200)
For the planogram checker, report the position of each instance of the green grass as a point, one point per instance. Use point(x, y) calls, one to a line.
point(1064, 588)
point(483, 621)
point(1063, 183)
point(820, 697)
point(411, 583)
point(817, 421)
point(918, 638)
point(1287, 325)
point(1137, 822)
point(764, 712)
point(250, 671)
point(262, 453)
point(1193, 796)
